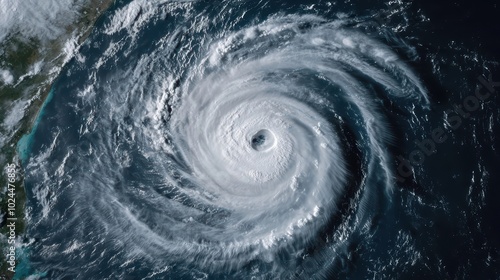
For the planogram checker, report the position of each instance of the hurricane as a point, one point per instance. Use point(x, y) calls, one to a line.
point(264, 129)
point(226, 142)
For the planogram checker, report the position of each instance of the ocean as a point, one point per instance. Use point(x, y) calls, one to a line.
point(271, 140)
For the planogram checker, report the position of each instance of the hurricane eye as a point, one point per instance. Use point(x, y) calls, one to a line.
point(263, 140)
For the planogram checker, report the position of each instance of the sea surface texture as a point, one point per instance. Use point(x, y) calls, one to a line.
point(267, 140)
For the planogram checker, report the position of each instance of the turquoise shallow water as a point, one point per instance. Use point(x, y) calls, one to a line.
point(23, 146)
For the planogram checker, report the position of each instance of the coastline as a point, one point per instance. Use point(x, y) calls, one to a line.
point(36, 65)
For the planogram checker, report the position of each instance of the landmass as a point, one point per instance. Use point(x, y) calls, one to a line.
point(29, 64)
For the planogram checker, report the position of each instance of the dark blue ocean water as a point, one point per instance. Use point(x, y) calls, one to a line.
point(104, 189)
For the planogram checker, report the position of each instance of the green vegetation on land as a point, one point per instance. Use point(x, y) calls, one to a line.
point(19, 55)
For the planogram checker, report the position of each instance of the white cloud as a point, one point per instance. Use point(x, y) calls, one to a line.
point(15, 115)
point(44, 19)
point(136, 14)
point(6, 77)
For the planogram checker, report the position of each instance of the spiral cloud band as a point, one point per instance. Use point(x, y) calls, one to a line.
point(257, 143)
point(251, 131)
